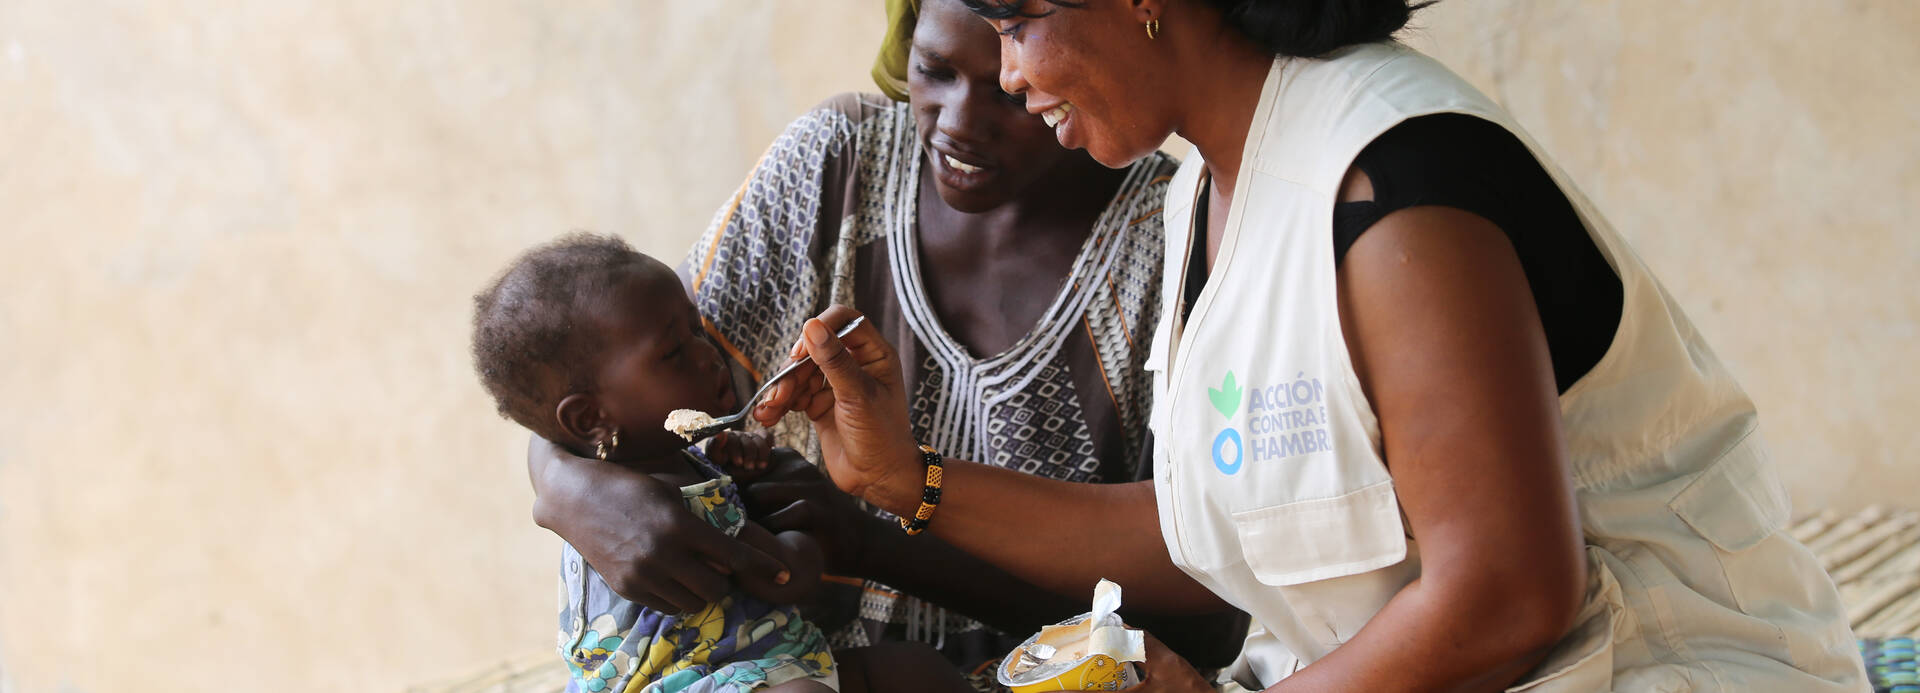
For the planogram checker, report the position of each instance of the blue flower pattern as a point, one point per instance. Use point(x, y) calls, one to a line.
point(737, 644)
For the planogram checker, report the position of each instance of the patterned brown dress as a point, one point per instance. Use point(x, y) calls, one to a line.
point(828, 216)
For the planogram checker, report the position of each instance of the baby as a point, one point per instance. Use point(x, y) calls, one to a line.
point(590, 345)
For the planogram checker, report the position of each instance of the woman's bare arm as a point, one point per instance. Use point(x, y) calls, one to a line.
point(1449, 348)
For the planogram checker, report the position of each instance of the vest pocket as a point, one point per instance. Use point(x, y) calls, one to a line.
point(1761, 589)
point(1334, 561)
point(1312, 540)
point(1738, 501)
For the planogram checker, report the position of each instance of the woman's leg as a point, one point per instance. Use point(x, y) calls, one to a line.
point(898, 668)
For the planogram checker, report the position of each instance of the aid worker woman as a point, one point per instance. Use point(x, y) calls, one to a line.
point(1419, 410)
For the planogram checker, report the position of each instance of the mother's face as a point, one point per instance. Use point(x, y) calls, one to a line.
point(982, 145)
point(1091, 71)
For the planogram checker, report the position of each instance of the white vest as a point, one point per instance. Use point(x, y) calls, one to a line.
point(1268, 468)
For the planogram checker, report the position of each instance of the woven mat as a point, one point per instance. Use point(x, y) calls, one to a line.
point(1874, 555)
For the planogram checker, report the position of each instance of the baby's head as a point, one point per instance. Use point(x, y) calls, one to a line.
point(583, 338)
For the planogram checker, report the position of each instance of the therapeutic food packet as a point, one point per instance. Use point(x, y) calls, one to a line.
point(1090, 652)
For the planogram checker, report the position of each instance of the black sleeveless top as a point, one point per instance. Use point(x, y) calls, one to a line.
point(1467, 163)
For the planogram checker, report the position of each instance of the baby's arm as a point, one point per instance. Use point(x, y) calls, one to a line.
point(797, 550)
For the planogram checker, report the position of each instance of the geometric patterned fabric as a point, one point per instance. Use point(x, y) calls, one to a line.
point(828, 216)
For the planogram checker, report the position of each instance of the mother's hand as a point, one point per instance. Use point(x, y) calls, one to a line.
point(855, 394)
point(797, 498)
point(637, 532)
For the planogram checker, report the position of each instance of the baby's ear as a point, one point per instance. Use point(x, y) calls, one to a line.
point(580, 417)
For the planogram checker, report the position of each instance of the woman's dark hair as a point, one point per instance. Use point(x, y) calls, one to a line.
point(1300, 28)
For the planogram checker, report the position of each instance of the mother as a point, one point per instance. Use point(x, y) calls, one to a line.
point(1021, 281)
point(1421, 412)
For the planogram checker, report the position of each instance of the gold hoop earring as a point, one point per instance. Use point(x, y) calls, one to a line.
point(601, 448)
point(1153, 28)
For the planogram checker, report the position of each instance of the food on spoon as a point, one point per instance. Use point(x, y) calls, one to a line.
point(683, 422)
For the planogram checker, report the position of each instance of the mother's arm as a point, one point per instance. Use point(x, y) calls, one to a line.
point(637, 532)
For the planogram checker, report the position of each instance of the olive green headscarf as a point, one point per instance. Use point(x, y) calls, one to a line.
point(890, 68)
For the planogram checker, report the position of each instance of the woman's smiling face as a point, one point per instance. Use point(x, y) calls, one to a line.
point(983, 146)
point(1090, 71)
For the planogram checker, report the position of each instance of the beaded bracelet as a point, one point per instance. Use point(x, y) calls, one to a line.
point(929, 497)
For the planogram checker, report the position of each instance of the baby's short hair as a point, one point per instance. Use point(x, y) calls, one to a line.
point(533, 340)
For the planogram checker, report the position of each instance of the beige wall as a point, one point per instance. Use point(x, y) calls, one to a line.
point(240, 443)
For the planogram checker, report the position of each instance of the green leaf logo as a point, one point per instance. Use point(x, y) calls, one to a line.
point(1226, 400)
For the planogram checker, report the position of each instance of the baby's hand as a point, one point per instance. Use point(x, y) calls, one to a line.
point(744, 455)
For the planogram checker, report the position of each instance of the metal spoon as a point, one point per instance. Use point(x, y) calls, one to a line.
point(733, 420)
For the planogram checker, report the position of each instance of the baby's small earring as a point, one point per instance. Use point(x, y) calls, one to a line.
point(602, 448)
